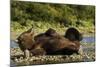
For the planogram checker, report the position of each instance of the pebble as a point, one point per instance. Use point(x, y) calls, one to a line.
point(43, 59)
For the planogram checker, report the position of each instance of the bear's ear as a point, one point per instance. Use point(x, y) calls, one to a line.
point(30, 31)
point(16, 40)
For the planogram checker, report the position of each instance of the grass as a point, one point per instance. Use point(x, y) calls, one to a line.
point(40, 27)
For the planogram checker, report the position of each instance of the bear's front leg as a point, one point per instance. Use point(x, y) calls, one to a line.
point(27, 53)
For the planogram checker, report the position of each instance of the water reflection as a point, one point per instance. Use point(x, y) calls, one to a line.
point(89, 39)
point(13, 44)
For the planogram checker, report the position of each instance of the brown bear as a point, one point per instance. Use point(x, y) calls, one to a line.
point(57, 46)
point(25, 41)
point(73, 34)
point(53, 43)
point(48, 43)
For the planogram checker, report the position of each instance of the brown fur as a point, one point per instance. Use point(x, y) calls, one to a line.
point(49, 43)
point(73, 34)
point(25, 40)
point(53, 43)
point(49, 33)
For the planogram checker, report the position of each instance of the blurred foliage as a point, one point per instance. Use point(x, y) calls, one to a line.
point(62, 15)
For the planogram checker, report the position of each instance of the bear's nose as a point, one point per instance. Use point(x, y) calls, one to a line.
point(16, 41)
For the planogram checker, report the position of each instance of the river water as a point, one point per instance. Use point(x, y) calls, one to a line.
point(89, 39)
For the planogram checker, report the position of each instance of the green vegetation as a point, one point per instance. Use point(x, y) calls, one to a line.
point(46, 15)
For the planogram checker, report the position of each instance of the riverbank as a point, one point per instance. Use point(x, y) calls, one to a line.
point(88, 55)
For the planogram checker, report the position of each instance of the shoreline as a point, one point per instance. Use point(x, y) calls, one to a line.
point(87, 56)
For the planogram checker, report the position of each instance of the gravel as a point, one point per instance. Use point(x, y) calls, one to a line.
point(18, 59)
